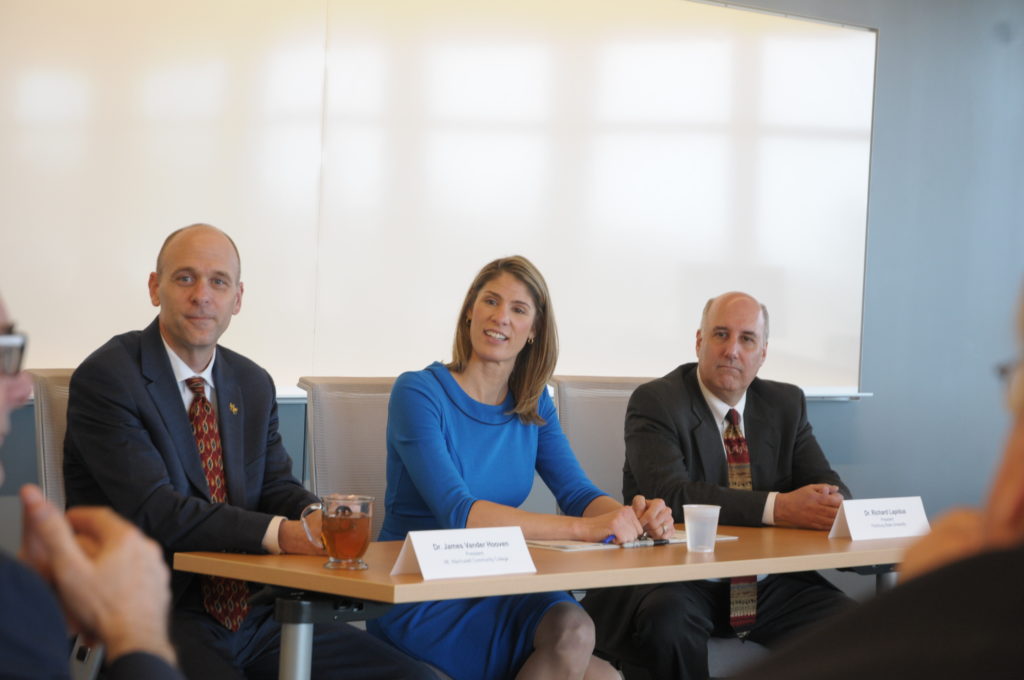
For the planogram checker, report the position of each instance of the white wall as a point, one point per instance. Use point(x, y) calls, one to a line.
point(369, 156)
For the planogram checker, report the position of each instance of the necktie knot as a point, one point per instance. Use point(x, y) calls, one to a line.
point(197, 385)
point(733, 417)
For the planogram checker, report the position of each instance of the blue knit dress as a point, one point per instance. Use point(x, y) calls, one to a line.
point(446, 451)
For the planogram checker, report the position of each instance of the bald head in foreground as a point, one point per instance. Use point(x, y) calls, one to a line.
point(956, 612)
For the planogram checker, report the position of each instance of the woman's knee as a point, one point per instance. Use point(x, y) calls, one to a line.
point(568, 630)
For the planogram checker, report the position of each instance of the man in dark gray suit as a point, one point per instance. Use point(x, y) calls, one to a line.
point(677, 432)
point(133, 407)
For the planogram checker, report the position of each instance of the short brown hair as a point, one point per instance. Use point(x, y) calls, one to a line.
point(535, 364)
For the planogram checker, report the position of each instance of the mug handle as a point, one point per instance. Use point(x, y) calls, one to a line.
point(308, 510)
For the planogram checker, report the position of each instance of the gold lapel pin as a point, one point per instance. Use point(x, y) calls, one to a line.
point(234, 409)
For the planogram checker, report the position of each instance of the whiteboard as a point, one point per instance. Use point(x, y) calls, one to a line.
point(369, 157)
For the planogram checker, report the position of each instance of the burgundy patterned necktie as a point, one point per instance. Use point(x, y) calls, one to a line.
point(742, 589)
point(226, 599)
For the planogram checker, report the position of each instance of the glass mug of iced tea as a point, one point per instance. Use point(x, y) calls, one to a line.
point(344, 529)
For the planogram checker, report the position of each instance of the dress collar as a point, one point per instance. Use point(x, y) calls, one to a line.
point(490, 414)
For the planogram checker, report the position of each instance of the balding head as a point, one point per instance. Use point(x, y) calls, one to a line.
point(193, 227)
point(732, 344)
point(724, 297)
point(197, 288)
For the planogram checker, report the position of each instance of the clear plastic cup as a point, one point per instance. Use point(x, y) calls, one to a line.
point(701, 526)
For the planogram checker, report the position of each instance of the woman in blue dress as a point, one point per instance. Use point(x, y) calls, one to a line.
point(463, 442)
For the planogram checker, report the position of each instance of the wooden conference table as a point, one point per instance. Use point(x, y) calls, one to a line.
point(758, 551)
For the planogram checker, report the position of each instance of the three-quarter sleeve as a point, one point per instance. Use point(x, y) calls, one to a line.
point(416, 434)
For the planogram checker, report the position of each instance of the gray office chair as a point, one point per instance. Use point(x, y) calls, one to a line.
point(51, 404)
point(346, 432)
point(592, 411)
point(51, 412)
point(346, 423)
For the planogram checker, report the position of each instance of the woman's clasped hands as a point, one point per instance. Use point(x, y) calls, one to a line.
point(626, 523)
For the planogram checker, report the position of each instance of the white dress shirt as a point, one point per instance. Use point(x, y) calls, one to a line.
point(182, 372)
point(719, 411)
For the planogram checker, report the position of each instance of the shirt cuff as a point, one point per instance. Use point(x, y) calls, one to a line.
point(270, 542)
point(768, 517)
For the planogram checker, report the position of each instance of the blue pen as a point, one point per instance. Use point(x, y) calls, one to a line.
point(610, 538)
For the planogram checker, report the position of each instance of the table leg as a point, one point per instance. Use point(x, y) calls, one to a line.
point(296, 651)
point(886, 580)
point(297, 611)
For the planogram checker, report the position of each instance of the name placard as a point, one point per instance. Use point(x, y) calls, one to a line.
point(456, 553)
point(880, 518)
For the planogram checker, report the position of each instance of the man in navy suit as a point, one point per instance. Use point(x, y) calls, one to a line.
point(115, 591)
point(130, 445)
point(675, 434)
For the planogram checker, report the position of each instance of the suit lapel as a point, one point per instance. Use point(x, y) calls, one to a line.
point(163, 390)
point(230, 419)
point(759, 429)
point(710, 451)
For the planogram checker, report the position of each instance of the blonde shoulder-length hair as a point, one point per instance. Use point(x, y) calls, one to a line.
point(535, 364)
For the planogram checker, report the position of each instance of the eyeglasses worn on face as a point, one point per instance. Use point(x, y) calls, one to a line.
point(12, 349)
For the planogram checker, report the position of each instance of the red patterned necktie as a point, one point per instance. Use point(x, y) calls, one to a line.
point(226, 599)
point(742, 589)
